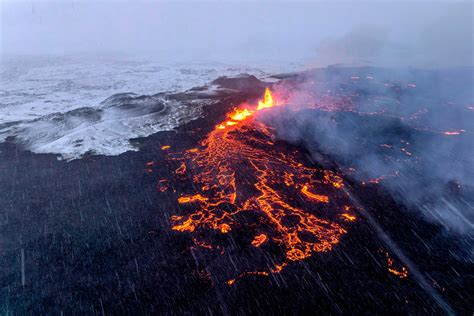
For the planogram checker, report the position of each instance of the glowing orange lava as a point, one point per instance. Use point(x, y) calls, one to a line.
point(348, 217)
point(317, 197)
point(267, 101)
point(402, 273)
point(237, 168)
point(259, 240)
point(240, 115)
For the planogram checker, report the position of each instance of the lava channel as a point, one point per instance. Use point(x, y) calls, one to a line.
point(238, 168)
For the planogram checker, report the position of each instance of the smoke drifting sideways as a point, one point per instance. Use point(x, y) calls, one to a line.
point(421, 34)
point(409, 131)
point(410, 124)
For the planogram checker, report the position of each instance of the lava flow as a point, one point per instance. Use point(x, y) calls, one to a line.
point(239, 169)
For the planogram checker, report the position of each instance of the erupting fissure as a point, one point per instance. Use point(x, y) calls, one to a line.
point(238, 169)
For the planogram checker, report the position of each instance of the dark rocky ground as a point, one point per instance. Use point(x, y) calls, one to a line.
point(92, 236)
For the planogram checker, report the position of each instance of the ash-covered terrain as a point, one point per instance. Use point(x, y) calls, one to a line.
point(350, 192)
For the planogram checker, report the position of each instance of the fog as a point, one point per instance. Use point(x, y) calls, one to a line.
point(421, 34)
point(390, 133)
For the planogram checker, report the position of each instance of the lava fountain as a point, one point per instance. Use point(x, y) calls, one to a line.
point(239, 168)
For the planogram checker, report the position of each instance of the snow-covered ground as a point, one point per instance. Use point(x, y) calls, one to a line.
point(62, 105)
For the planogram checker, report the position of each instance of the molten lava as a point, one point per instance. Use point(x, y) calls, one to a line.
point(267, 101)
point(259, 240)
point(402, 272)
point(237, 169)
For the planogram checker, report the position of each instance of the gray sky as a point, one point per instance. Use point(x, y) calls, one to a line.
point(392, 32)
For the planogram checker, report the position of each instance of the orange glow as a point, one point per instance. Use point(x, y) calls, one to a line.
point(165, 147)
point(202, 244)
point(288, 179)
point(333, 179)
point(317, 197)
point(189, 199)
point(349, 217)
point(185, 226)
point(181, 169)
point(402, 273)
point(241, 114)
point(225, 228)
point(267, 101)
point(259, 240)
point(262, 273)
point(242, 146)
point(279, 268)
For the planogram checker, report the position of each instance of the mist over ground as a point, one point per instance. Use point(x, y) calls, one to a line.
point(390, 34)
point(139, 174)
point(396, 33)
point(409, 131)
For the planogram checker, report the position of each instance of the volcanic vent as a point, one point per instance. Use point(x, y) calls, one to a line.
point(246, 186)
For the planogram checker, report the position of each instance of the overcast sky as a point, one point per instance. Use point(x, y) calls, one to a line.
point(430, 32)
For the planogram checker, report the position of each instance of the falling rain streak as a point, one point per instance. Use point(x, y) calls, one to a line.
point(242, 145)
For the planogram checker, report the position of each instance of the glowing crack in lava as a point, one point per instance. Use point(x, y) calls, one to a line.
point(238, 168)
point(402, 272)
